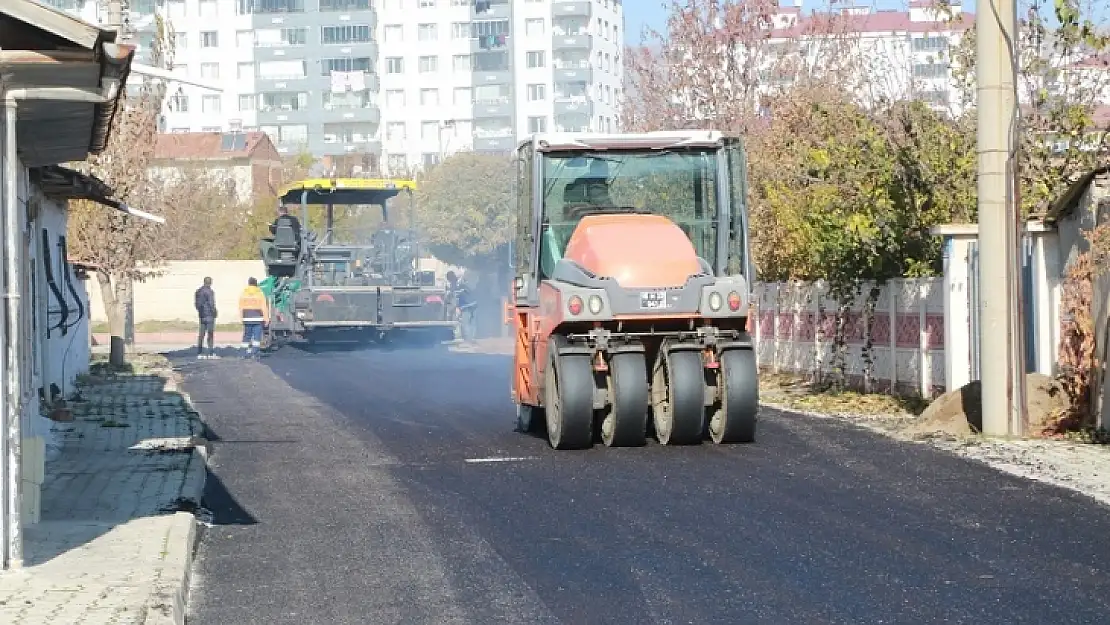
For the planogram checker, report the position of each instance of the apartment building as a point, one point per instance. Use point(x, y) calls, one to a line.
point(898, 54)
point(481, 74)
point(303, 71)
point(409, 80)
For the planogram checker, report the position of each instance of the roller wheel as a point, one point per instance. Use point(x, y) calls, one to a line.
point(528, 418)
point(733, 421)
point(626, 423)
point(569, 399)
point(678, 398)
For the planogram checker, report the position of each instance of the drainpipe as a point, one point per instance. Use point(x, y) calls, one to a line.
point(11, 399)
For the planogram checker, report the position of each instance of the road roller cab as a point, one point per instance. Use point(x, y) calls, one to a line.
point(631, 289)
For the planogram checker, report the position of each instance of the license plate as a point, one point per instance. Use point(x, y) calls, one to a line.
point(653, 300)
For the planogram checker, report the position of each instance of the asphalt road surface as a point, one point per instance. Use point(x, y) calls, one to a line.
point(345, 490)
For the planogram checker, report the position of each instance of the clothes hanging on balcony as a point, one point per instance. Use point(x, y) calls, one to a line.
point(342, 82)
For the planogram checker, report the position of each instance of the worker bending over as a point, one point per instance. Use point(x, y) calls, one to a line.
point(254, 311)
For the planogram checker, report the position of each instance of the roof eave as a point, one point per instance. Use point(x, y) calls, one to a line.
point(115, 66)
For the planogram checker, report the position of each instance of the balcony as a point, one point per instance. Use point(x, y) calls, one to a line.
point(365, 115)
point(338, 147)
point(573, 105)
point(571, 8)
point(279, 116)
point(571, 40)
point(503, 77)
point(502, 107)
point(490, 43)
point(279, 83)
point(573, 71)
point(489, 10)
point(505, 143)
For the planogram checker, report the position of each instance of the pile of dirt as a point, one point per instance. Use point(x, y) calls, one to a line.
point(960, 412)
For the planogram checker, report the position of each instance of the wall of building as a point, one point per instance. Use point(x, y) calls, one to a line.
point(169, 296)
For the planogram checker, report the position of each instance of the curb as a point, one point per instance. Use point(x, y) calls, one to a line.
point(170, 596)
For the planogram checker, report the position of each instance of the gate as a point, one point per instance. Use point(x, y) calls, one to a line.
point(1027, 302)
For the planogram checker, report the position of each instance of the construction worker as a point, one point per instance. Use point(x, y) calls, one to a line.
point(254, 311)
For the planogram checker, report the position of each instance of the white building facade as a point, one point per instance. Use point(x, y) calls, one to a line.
point(421, 78)
point(478, 75)
point(893, 55)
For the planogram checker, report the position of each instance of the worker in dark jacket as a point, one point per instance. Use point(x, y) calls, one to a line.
point(465, 305)
point(205, 301)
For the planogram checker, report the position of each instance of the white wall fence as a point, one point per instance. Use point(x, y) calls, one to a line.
point(901, 342)
point(169, 295)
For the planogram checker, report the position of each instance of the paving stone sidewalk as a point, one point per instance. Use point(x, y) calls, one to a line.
point(112, 546)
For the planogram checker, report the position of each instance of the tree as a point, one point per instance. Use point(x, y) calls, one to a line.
point(122, 248)
point(1062, 80)
point(464, 208)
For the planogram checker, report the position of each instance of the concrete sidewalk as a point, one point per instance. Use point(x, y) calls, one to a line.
point(143, 339)
point(113, 544)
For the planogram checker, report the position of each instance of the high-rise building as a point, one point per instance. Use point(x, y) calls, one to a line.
point(481, 74)
point(409, 80)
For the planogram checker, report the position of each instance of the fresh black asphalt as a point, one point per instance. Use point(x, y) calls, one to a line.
point(342, 494)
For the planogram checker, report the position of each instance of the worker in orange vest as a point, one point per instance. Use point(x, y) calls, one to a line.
point(254, 311)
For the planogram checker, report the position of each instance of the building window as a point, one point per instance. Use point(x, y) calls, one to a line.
point(430, 159)
point(345, 34)
point(429, 130)
point(393, 33)
point(180, 41)
point(355, 64)
point(463, 95)
point(426, 32)
point(535, 59)
point(533, 26)
point(460, 30)
point(492, 94)
point(395, 131)
point(397, 164)
point(537, 124)
point(267, 7)
point(429, 97)
point(179, 103)
point(209, 39)
point(930, 70)
point(427, 4)
point(208, 8)
point(246, 102)
point(429, 64)
point(279, 37)
point(293, 133)
point(244, 71)
point(210, 104)
point(395, 98)
point(491, 62)
point(930, 44)
point(278, 70)
point(284, 101)
point(395, 65)
point(346, 100)
point(210, 70)
point(461, 63)
point(345, 5)
point(537, 92)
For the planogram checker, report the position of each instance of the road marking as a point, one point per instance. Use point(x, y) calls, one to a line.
point(499, 459)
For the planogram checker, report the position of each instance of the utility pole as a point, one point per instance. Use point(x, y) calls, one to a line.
point(1001, 339)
